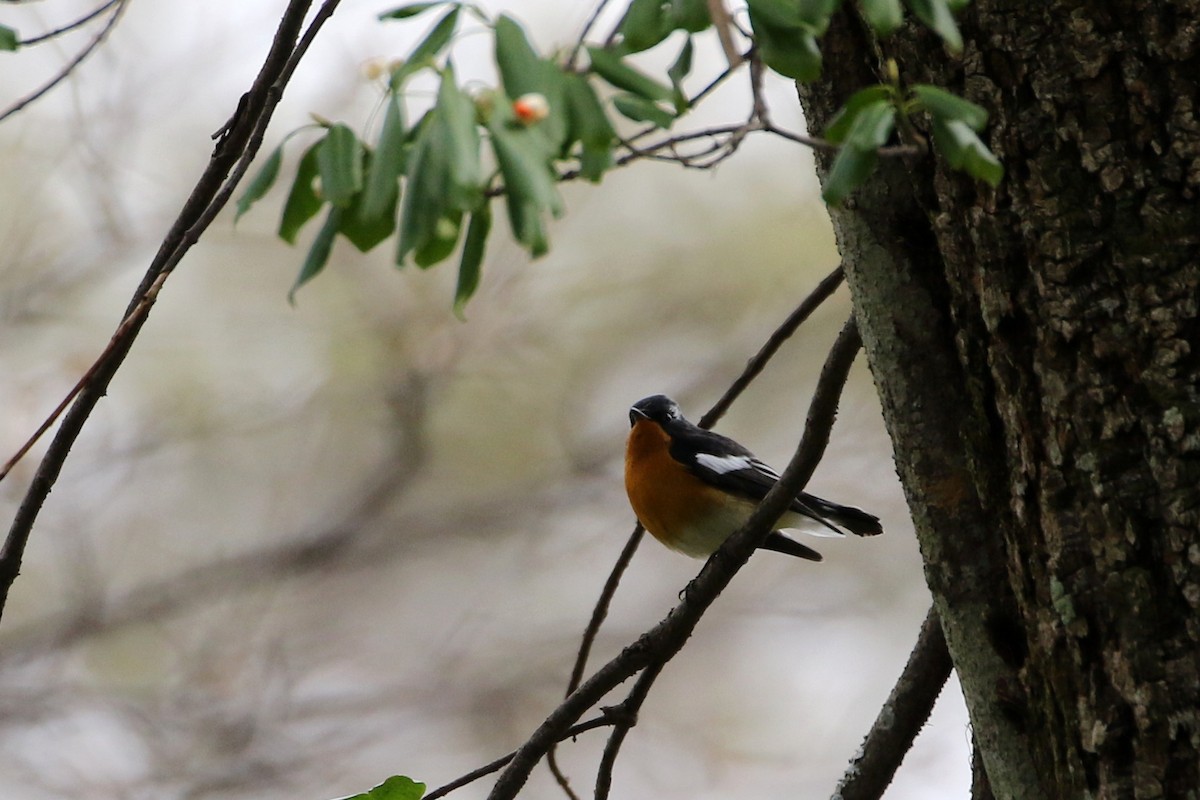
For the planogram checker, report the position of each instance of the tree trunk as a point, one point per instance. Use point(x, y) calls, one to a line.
point(1036, 351)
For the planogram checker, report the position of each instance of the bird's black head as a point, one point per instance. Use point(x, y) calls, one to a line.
point(656, 408)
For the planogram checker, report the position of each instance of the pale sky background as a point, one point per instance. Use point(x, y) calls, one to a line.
point(471, 472)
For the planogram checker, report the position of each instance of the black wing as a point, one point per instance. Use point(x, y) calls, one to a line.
point(723, 463)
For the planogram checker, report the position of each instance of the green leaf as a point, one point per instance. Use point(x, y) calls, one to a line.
point(937, 16)
point(439, 246)
point(590, 126)
point(527, 225)
point(884, 16)
point(9, 40)
point(523, 71)
point(790, 51)
point(302, 203)
point(639, 109)
point(445, 175)
point(816, 13)
point(529, 181)
point(318, 252)
point(469, 266)
point(779, 13)
point(948, 106)
point(339, 163)
point(425, 197)
point(366, 228)
point(381, 187)
point(410, 10)
point(619, 74)
point(261, 183)
point(964, 151)
point(873, 126)
point(689, 15)
point(958, 5)
point(840, 125)
point(519, 63)
point(456, 125)
point(397, 787)
point(644, 25)
point(434, 42)
point(849, 170)
point(678, 71)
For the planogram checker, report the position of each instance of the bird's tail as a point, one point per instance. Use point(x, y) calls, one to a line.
point(839, 517)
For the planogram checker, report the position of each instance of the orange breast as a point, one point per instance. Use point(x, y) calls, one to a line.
point(677, 508)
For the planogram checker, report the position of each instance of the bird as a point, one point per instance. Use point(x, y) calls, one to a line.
point(691, 488)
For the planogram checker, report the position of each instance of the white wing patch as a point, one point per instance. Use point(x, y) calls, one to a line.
point(723, 465)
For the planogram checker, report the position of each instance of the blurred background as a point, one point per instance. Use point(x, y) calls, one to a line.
point(297, 550)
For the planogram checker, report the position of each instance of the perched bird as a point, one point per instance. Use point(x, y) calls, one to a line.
point(692, 488)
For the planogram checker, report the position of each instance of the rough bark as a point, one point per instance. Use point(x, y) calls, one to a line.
point(1035, 349)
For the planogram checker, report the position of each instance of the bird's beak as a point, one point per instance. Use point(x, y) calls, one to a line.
point(635, 414)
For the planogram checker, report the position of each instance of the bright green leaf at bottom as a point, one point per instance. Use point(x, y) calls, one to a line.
point(397, 787)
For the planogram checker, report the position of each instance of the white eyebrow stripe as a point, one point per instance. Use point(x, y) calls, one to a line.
point(724, 464)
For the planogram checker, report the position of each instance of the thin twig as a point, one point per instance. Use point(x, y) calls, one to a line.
point(70, 26)
point(631, 707)
point(901, 717)
point(583, 34)
point(759, 360)
point(79, 58)
point(664, 640)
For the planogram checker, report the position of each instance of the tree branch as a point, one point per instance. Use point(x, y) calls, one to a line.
point(901, 717)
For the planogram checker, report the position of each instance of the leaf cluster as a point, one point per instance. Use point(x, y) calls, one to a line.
point(433, 180)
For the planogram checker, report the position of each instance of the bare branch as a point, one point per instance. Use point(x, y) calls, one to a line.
point(901, 717)
point(759, 360)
